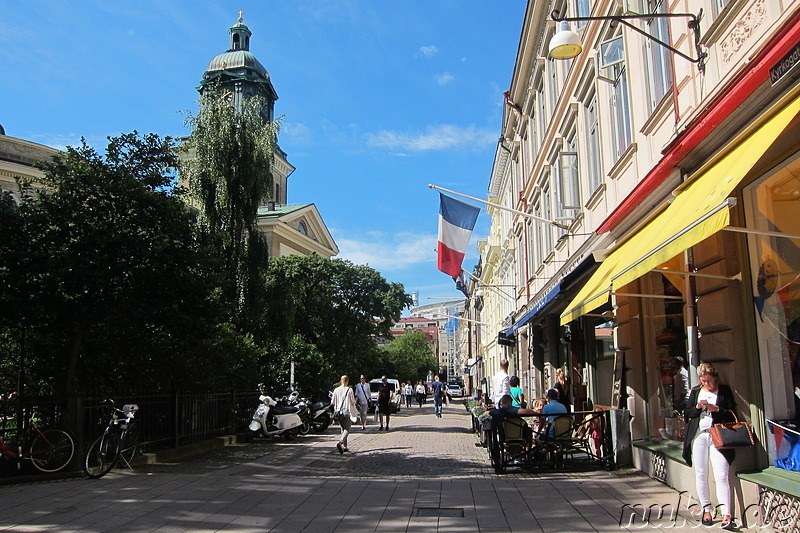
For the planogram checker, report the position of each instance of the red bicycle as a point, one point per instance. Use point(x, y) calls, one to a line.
point(48, 450)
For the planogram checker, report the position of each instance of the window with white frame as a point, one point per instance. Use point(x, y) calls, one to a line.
point(541, 107)
point(552, 84)
point(612, 65)
point(533, 255)
point(659, 66)
point(568, 179)
point(594, 165)
point(546, 205)
point(538, 233)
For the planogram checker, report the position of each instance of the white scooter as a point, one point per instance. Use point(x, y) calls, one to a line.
point(271, 419)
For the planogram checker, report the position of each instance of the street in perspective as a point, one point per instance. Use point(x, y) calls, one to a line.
point(424, 474)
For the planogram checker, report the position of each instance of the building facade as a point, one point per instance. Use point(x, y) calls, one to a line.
point(669, 181)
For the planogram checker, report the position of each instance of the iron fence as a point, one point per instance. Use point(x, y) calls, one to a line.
point(166, 419)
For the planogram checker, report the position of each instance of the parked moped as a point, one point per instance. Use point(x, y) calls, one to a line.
point(272, 419)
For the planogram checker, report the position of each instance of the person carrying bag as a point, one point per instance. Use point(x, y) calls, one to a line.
point(709, 402)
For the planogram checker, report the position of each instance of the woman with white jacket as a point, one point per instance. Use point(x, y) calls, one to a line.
point(344, 403)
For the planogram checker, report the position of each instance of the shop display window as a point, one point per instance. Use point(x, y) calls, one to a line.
point(771, 206)
point(667, 356)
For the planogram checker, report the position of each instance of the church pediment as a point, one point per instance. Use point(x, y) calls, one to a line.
point(300, 227)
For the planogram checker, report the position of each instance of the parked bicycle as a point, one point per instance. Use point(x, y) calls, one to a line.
point(120, 440)
point(48, 450)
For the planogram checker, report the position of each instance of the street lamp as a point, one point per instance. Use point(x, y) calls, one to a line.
point(566, 44)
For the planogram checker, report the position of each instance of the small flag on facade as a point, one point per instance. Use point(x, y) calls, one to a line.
point(456, 222)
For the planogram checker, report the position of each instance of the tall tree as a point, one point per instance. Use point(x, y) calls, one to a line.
point(228, 166)
point(102, 269)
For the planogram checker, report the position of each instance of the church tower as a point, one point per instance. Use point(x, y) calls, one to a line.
point(238, 71)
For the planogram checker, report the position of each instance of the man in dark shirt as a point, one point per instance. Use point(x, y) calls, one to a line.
point(506, 410)
point(385, 394)
point(437, 387)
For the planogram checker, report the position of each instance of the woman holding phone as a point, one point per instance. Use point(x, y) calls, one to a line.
point(708, 403)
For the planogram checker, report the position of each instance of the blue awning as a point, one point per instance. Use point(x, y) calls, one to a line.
point(532, 311)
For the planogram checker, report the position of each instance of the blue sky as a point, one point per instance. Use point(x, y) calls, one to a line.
point(379, 98)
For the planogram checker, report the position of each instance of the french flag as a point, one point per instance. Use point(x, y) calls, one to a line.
point(456, 222)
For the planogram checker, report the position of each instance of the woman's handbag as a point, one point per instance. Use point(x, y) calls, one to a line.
point(732, 435)
point(336, 416)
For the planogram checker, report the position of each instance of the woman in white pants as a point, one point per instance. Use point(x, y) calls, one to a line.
point(344, 403)
point(709, 403)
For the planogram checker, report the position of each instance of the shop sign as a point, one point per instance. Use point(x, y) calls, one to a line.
point(787, 63)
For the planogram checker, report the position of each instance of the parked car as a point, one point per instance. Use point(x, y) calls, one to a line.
point(455, 391)
point(397, 397)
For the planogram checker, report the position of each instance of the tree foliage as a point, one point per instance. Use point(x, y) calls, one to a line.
point(337, 307)
point(103, 277)
point(409, 357)
point(228, 166)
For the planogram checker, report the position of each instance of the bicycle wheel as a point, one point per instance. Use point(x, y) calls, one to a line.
point(52, 450)
point(101, 456)
point(130, 444)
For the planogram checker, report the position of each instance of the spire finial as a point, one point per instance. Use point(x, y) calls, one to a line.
point(240, 15)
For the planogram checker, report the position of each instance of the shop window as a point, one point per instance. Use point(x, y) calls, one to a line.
point(667, 356)
point(771, 205)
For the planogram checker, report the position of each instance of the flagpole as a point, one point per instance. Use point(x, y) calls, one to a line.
point(502, 207)
point(488, 286)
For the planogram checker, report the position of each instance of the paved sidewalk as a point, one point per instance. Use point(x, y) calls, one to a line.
point(425, 474)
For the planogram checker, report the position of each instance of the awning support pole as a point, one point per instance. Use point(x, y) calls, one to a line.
point(761, 232)
point(737, 277)
point(639, 295)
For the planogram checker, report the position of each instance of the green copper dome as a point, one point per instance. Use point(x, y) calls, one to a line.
point(234, 60)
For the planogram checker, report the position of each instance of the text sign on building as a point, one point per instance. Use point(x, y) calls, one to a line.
point(787, 63)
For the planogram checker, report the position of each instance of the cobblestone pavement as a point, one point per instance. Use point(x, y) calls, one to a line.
point(425, 474)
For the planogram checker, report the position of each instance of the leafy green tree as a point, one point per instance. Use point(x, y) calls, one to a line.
point(410, 356)
point(336, 307)
point(228, 160)
point(103, 278)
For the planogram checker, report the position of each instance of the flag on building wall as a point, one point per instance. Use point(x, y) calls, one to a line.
point(456, 222)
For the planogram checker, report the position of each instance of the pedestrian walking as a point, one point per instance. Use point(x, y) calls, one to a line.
point(344, 408)
point(385, 394)
point(408, 392)
point(363, 399)
point(437, 389)
point(420, 393)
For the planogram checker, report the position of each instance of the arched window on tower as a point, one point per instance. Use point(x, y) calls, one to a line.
point(235, 41)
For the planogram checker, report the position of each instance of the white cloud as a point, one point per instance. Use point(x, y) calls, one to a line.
point(428, 51)
point(440, 137)
point(444, 78)
point(297, 131)
point(384, 251)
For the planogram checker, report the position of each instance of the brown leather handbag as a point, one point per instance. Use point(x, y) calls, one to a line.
point(732, 435)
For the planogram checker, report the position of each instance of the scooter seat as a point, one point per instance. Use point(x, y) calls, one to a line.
point(320, 405)
point(281, 410)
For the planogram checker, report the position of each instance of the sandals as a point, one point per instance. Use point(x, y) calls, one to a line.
point(707, 519)
point(727, 522)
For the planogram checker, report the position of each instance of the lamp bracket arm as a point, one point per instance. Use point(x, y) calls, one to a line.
point(693, 23)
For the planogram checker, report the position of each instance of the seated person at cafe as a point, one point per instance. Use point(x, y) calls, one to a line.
point(553, 408)
point(506, 410)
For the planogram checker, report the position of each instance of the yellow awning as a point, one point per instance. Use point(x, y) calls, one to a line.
point(700, 210)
